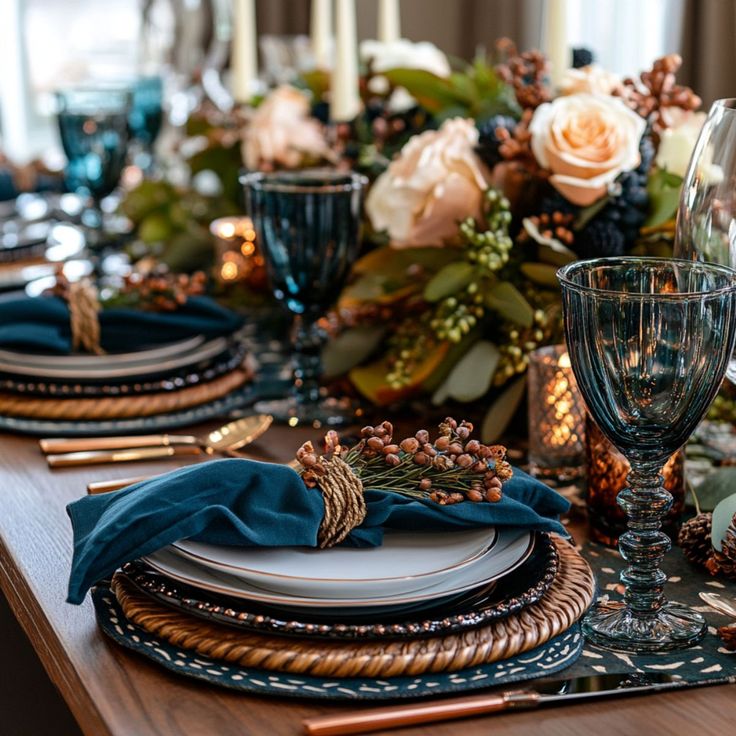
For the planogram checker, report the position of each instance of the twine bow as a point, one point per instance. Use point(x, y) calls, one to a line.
point(345, 507)
point(84, 316)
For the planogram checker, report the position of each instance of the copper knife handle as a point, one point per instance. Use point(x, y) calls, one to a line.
point(394, 716)
point(106, 486)
point(94, 457)
point(57, 445)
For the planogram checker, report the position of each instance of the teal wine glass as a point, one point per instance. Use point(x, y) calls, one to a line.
point(649, 341)
point(308, 226)
point(146, 117)
point(93, 126)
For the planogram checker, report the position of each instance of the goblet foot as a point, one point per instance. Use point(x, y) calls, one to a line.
point(614, 626)
point(327, 412)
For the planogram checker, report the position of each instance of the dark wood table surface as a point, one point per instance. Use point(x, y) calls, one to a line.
point(111, 691)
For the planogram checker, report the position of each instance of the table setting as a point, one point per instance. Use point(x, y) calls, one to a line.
point(420, 372)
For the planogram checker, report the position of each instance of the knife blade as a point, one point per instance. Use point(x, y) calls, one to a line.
point(94, 457)
point(544, 693)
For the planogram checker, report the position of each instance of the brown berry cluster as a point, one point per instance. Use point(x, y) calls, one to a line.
point(159, 292)
point(451, 469)
point(656, 90)
point(557, 225)
point(527, 73)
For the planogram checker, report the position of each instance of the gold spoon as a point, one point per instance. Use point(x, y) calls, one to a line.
point(226, 439)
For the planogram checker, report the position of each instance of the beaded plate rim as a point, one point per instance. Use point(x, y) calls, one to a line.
point(260, 619)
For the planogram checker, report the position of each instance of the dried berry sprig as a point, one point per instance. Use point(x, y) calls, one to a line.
point(527, 73)
point(451, 469)
point(157, 292)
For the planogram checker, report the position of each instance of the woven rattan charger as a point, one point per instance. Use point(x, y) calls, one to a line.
point(564, 603)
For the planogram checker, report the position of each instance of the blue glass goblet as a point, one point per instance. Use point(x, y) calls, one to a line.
point(308, 226)
point(93, 125)
point(146, 116)
point(649, 341)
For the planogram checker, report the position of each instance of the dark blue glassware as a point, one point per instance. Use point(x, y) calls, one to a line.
point(649, 342)
point(146, 116)
point(93, 125)
point(308, 227)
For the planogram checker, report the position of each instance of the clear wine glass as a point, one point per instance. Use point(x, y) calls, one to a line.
point(308, 226)
point(706, 218)
point(649, 341)
point(93, 126)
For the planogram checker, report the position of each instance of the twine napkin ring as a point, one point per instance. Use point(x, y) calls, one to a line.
point(345, 507)
point(84, 316)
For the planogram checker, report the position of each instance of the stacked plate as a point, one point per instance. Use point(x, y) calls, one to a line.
point(153, 388)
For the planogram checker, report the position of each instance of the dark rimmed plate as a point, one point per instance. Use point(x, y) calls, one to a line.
point(521, 588)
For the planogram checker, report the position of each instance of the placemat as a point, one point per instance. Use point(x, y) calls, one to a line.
point(556, 655)
point(708, 660)
point(567, 599)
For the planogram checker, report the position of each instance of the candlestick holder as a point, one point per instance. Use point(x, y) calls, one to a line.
point(607, 471)
point(556, 417)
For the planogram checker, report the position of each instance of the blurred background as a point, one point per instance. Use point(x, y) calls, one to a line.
point(46, 45)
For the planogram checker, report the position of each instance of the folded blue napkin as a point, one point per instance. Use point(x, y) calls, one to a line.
point(41, 324)
point(251, 504)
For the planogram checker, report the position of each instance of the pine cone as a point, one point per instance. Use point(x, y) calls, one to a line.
point(694, 538)
point(728, 636)
point(723, 561)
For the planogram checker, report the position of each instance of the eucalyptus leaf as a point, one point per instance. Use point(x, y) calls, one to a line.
point(472, 375)
point(366, 288)
point(433, 93)
point(663, 188)
point(449, 280)
point(556, 256)
point(510, 303)
point(717, 485)
point(541, 274)
point(350, 348)
point(502, 411)
point(723, 515)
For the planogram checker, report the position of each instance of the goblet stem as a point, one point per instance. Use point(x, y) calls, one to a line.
point(645, 502)
point(309, 339)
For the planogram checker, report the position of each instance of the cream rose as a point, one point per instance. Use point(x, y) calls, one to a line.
point(677, 142)
point(586, 141)
point(436, 181)
point(281, 132)
point(592, 79)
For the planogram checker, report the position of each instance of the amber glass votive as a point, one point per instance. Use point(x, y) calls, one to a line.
point(556, 416)
point(607, 471)
point(237, 258)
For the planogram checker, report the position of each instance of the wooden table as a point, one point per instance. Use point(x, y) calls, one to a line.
point(111, 691)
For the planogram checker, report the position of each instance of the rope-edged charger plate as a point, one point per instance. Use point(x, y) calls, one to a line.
point(471, 609)
point(568, 597)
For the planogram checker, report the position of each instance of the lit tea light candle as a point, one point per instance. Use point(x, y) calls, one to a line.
point(236, 251)
point(556, 416)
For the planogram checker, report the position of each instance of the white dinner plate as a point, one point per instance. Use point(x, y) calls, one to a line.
point(101, 372)
point(405, 562)
point(512, 548)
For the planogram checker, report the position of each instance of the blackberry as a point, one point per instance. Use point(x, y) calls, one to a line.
point(553, 201)
point(582, 57)
point(488, 141)
point(646, 153)
point(599, 239)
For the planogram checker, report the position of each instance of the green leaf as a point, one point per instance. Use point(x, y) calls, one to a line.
point(449, 280)
point(663, 189)
point(350, 348)
point(433, 92)
point(463, 87)
point(556, 256)
point(510, 303)
point(716, 486)
point(472, 375)
point(723, 515)
point(502, 411)
point(366, 288)
point(588, 213)
point(541, 274)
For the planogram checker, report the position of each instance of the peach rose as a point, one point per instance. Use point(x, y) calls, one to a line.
point(586, 141)
point(281, 132)
point(592, 79)
point(436, 181)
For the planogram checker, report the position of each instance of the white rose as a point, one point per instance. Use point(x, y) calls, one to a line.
point(404, 54)
point(586, 141)
point(282, 133)
point(592, 79)
point(677, 142)
point(436, 181)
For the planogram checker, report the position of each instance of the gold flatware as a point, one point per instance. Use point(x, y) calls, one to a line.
point(231, 436)
point(107, 486)
point(715, 601)
point(98, 457)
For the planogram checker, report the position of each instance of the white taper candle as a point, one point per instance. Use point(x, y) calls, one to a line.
point(244, 50)
point(345, 97)
point(321, 33)
point(389, 21)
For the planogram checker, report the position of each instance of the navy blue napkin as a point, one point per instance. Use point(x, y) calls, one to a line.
point(246, 503)
point(41, 324)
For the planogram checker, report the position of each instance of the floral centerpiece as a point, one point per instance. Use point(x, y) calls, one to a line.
point(485, 181)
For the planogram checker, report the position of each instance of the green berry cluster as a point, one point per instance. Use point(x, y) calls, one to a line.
point(723, 408)
point(408, 346)
point(489, 247)
point(516, 347)
point(455, 316)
